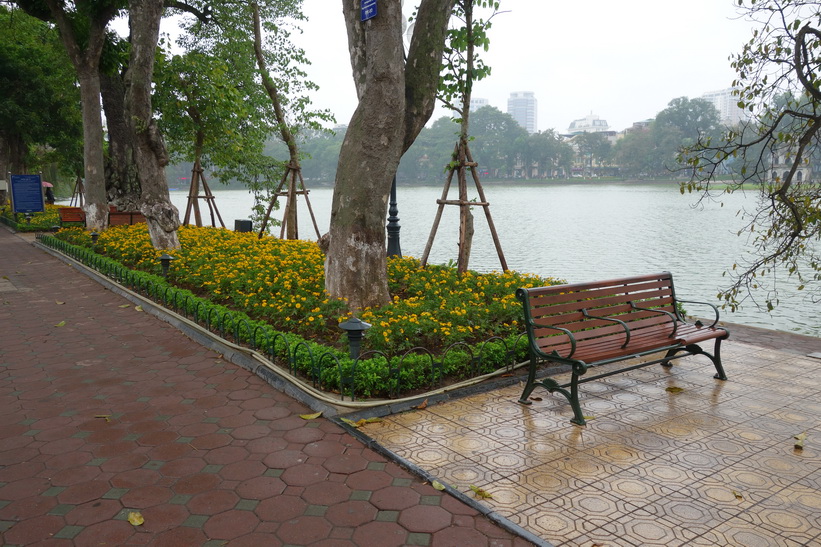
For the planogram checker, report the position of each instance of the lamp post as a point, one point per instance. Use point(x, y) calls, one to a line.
point(94, 237)
point(165, 263)
point(394, 249)
point(355, 329)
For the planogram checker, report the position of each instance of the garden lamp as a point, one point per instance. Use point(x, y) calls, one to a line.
point(355, 329)
point(165, 262)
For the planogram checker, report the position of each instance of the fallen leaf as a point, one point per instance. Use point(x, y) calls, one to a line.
point(363, 421)
point(310, 416)
point(135, 518)
point(423, 405)
point(138, 308)
point(61, 324)
point(674, 389)
point(799, 441)
point(437, 485)
point(126, 306)
point(59, 303)
point(349, 422)
point(106, 417)
point(586, 418)
point(738, 496)
point(481, 493)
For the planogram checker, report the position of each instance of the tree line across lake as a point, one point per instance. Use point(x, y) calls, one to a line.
point(502, 148)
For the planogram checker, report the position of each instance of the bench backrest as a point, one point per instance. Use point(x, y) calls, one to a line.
point(563, 305)
point(71, 214)
point(118, 218)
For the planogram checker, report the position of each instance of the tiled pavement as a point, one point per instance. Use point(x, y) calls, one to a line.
point(105, 411)
point(713, 464)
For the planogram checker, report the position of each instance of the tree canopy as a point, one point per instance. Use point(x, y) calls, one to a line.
point(39, 106)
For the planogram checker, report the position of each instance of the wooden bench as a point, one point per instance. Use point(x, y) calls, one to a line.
point(71, 216)
point(118, 218)
point(589, 324)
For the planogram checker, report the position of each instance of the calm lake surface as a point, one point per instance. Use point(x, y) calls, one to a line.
point(578, 232)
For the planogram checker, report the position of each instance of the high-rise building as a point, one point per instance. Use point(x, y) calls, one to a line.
point(727, 105)
point(522, 106)
point(477, 103)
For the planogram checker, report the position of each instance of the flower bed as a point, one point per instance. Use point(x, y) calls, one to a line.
point(38, 222)
point(281, 283)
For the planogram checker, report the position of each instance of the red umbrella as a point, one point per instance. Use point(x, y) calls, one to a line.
point(47, 185)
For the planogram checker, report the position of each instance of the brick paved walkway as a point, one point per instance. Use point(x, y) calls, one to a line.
point(106, 410)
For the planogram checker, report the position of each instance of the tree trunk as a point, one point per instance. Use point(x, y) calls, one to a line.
point(12, 155)
point(149, 149)
point(96, 202)
point(395, 100)
point(122, 183)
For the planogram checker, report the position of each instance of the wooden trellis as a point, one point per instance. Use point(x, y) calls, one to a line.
point(296, 187)
point(198, 182)
point(464, 162)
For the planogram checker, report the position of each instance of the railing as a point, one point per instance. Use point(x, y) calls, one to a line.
point(326, 369)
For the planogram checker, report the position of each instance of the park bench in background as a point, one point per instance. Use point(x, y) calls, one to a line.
point(70, 216)
point(117, 218)
point(589, 324)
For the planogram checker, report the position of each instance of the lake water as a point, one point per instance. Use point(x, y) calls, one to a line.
point(578, 232)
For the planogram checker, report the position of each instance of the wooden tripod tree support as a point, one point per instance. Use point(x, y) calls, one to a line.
point(77, 196)
point(296, 187)
point(465, 161)
point(194, 196)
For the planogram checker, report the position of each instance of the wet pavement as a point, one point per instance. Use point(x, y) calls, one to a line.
point(668, 456)
point(108, 411)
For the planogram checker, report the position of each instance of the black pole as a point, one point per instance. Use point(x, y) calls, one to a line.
point(394, 248)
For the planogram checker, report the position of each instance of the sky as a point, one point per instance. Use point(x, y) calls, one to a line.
point(621, 60)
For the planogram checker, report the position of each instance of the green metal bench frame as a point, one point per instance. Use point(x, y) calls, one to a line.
point(591, 324)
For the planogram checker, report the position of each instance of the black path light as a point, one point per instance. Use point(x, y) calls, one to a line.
point(355, 329)
point(165, 262)
point(94, 237)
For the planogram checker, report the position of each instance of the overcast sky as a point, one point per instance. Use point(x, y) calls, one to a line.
point(623, 61)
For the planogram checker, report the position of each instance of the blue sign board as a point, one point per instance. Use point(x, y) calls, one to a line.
point(368, 8)
point(27, 194)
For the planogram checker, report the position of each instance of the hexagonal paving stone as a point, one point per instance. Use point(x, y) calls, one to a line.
point(351, 513)
point(304, 530)
point(304, 474)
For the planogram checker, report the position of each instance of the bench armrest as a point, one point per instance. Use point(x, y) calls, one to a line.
point(565, 331)
point(715, 309)
point(622, 323)
point(667, 313)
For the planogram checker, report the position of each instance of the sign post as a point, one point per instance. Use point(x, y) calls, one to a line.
point(27, 194)
point(368, 9)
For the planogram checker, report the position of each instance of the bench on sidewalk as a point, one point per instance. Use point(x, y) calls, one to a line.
point(71, 216)
point(590, 324)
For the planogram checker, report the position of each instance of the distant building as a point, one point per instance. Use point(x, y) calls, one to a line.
point(521, 105)
point(727, 105)
point(589, 124)
point(477, 103)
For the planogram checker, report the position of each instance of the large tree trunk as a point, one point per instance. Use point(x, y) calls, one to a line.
point(84, 52)
point(122, 183)
point(395, 101)
point(96, 202)
point(149, 149)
